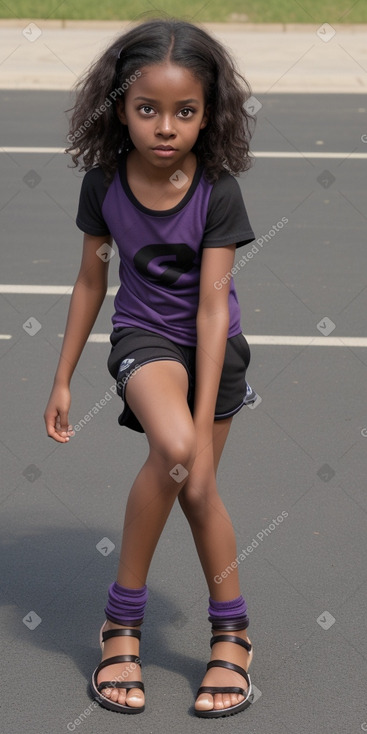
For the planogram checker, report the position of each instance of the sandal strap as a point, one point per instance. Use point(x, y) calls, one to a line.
point(121, 633)
point(229, 666)
point(119, 659)
point(230, 625)
point(223, 689)
point(126, 684)
point(231, 638)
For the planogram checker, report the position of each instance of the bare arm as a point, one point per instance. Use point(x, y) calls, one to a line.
point(212, 333)
point(86, 300)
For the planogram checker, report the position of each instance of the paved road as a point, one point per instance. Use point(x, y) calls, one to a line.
point(301, 452)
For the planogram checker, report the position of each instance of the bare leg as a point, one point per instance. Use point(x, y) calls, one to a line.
point(209, 521)
point(157, 394)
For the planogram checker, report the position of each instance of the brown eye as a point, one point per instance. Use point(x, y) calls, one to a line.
point(186, 112)
point(146, 109)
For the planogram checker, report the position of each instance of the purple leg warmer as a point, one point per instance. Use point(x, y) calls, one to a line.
point(126, 606)
point(228, 615)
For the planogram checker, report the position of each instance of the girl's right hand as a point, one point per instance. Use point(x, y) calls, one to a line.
point(57, 414)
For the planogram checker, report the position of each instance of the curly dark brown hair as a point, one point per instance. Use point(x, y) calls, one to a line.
point(97, 136)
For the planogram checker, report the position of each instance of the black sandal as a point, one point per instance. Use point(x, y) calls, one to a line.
point(96, 688)
point(230, 710)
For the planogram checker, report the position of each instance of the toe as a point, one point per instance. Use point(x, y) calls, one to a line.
point(236, 698)
point(106, 692)
point(204, 702)
point(226, 700)
point(219, 701)
point(121, 699)
point(135, 697)
point(114, 695)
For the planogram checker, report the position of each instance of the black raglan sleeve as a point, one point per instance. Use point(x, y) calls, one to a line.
point(227, 220)
point(93, 191)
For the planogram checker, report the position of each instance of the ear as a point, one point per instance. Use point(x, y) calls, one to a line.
point(121, 111)
point(205, 119)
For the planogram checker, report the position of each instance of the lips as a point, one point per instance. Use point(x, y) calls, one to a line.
point(164, 147)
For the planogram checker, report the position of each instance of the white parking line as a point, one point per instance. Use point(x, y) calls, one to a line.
point(273, 340)
point(256, 153)
point(307, 154)
point(311, 341)
point(49, 290)
point(28, 149)
point(261, 339)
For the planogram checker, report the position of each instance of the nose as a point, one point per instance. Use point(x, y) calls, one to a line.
point(165, 126)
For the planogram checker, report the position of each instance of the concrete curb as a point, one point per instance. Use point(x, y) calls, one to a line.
point(235, 27)
point(323, 59)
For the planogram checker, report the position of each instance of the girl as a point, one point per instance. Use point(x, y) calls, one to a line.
point(160, 124)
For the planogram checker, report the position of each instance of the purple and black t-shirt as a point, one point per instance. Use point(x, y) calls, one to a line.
point(160, 251)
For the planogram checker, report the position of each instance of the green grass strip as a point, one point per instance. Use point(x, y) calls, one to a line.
point(253, 11)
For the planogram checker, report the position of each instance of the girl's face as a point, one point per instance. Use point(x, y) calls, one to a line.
point(164, 112)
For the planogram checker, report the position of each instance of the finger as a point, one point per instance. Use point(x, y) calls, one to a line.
point(52, 429)
point(64, 430)
point(53, 433)
point(63, 420)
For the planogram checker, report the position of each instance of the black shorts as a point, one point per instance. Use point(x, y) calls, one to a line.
point(133, 347)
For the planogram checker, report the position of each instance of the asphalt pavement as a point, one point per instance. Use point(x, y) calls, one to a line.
point(299, 455)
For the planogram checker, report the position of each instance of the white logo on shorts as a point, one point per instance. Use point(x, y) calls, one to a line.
point(125, 364)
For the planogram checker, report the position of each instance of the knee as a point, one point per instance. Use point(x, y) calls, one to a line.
point(196, 500)
point(177, 453)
